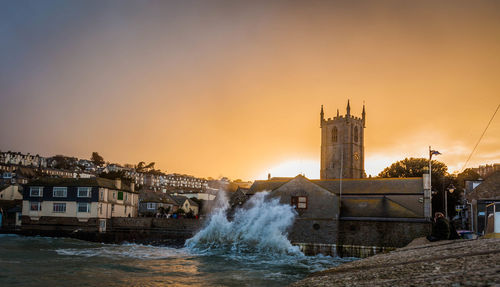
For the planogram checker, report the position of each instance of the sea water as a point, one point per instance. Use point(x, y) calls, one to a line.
point(250, 250)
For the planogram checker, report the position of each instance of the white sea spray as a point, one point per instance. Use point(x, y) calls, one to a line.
point(260, 226)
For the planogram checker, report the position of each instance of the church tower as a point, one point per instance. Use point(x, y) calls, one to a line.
point(342, 145)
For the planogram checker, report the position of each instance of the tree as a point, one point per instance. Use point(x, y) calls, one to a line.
point(64, 162)
point(467, 174)
point(441, 180)
point(151, 165)
point(414, 167)
point(140, 166)
point(97, 159)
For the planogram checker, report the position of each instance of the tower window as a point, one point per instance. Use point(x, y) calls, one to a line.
point(334, 134)
point(356, 134)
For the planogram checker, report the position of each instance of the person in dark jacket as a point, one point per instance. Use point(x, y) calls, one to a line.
point(440, 228)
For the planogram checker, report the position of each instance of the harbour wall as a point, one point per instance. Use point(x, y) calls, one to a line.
point(142, 230)
point(344, 238)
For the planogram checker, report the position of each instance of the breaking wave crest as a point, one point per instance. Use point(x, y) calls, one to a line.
point(260, 226)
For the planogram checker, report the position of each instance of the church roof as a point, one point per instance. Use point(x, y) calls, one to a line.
point(367, 198)
point(352, 186)
point(374, 185)
point(377, 206)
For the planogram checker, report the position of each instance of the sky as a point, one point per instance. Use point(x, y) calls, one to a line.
point(234, 88)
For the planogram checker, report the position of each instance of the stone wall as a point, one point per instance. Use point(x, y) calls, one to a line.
point(159, 224)
point(321, 231)
point(70, 224)
point(380, 233)
point(159, 231)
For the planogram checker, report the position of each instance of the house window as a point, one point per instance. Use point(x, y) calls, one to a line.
point(355, 134)
point(83, 207)
point(112, 208)
point(35, 206)
point(102, 195)
point(84, 191)
point(59, 192)
point(120, 195)
point(151, 205)
point(299, 202)
point(59, 208)
point(334, 134)
point(36, 191)
point(114, 195)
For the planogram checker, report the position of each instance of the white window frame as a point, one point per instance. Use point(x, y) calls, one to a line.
point(302, 202)
point(39, 204)
point(39, 189)
point(60, 188)
point(87, 205)
point(87, 189)
point(151, 205)
point(61, 204)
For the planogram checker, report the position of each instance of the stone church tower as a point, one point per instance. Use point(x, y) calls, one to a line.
point(342, 145)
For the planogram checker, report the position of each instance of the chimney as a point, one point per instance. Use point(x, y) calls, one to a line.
point(118, 183)
point(269, 176)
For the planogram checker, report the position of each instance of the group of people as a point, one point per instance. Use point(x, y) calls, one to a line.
point(442, 229)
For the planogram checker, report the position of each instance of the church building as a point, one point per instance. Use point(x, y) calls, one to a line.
point(342, 145)
point(345, 210)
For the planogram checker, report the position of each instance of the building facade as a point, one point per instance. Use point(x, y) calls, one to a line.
point(76, 202)
point(366, 212)
point(342, 145)
point(17, 158)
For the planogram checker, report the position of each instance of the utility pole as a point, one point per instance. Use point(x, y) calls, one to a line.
point(341, 169)
point(431, 153)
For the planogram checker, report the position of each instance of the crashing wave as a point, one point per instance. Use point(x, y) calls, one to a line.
point(260, 226)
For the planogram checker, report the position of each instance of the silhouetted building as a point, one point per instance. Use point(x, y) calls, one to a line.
point(486, 170)
point(388, 212)
point(342, 145)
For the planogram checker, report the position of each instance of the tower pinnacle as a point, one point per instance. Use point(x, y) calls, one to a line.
point(348, 109)
point(363, 115)
point(321, 116)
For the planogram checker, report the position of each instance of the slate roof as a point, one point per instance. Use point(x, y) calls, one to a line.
point(367, 198)
point(181, 199)
point(377, 206)
point(374, 185)
point(242, 190)
point(25, 172)
point(4, 186)
point(489, 189)
point(266, 185)
point(96, 181)
point(153, 196)
point(352, 186)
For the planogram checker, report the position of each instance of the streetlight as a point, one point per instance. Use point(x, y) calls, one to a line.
point(451, 189)
point(431, 153)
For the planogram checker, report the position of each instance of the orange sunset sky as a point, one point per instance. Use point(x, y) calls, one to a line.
point(234, 88)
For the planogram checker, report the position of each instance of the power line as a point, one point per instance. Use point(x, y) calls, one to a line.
point(480, 138)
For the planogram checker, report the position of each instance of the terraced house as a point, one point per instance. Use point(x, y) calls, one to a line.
point(72, 204)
